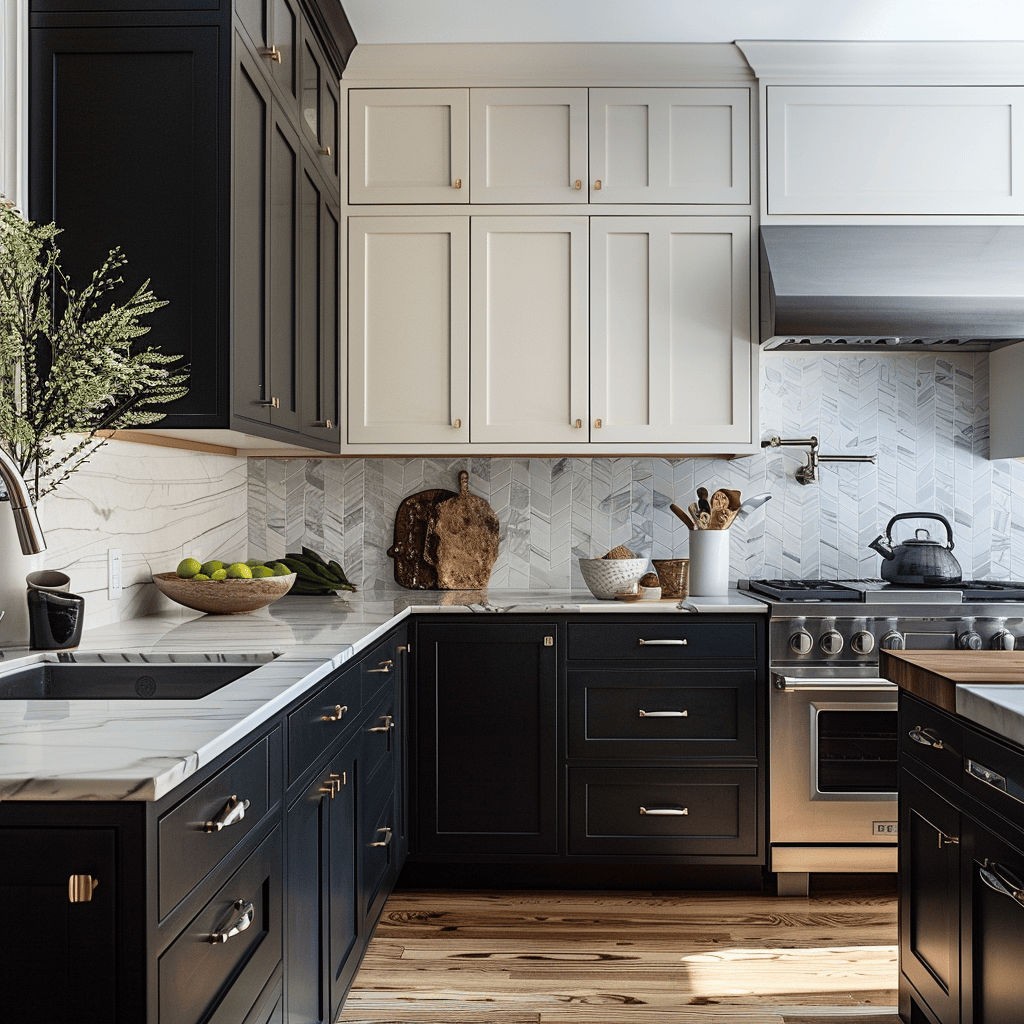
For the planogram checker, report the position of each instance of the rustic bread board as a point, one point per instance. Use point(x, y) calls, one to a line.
point(412, 520)
point(933, 675)
point(463, 540)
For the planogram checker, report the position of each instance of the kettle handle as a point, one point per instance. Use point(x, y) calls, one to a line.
point(923, 515)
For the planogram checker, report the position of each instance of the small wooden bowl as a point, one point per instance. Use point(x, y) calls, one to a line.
point(223, 597)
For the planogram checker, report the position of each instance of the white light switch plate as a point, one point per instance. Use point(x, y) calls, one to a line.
point(113, 574)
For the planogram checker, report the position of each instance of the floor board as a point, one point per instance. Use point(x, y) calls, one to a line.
point(453, 957)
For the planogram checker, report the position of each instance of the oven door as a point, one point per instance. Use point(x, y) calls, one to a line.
point(833, 760)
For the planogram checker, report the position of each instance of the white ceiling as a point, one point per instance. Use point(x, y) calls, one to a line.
point(680, 21)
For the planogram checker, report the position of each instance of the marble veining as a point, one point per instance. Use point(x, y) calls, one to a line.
point(999, 708)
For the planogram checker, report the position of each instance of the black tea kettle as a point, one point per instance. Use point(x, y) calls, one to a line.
point(921, 562)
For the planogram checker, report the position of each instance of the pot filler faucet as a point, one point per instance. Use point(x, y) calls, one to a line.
point(808, 472)
point(30, 533)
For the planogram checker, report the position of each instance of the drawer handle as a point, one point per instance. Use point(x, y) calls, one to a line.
point(271, 53)
point(994, 779)
point(385, 666)
point(80, 888)
point(666, 812)
point(386, 727)
point(247, 914)
point(340, 711)
point(994, 880)
point(233, 812)
point(945, 840)
point(664, 714)
point(926, 737)
point(663, 643)
point(386, 839)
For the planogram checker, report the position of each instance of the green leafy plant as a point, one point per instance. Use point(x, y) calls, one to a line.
point(70, 368)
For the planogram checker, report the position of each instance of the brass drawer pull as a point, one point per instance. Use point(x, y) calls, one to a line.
point(271, 403)
point(945, 840)
point(597, 185)
point(389, 724)
point(457, 183)
point(387, 837)
point(246, 916)
point(665, 812)
point(233, 812)
point(271, 53)
point(80, 888)
point(339, 713)
point(663, 643)
point(925, 737)
point(385, 666)
point(664, 714)
point(577, 184)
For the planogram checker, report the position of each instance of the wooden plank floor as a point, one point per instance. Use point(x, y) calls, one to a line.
point(448, 957)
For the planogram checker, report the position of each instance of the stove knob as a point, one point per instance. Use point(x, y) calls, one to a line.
point(893, 641)
point(1004, 640)
point(969, 641)
point(831, 641)
point(801, 642)
point(862, 642)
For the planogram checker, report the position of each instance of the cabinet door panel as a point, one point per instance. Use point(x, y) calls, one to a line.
point(857, 149)
point(409, 329)
point(409, 146)
point(529, 329)
point(670, 145)
point(528, 145)
point(670, 329)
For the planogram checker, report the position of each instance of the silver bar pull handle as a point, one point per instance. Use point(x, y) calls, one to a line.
point(665, 812)
point(994, 879)
point(663, 643)
point(663, 714)
point(233, 812)
point(925, 737)
point(386, 839)
point(246, 916)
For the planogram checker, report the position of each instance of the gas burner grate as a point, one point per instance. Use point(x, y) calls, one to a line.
point(805, 590)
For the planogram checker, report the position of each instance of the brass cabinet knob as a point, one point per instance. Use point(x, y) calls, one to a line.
point(271, 53)
point(457, 424)
point(597, 185)
point(326, 151)
point(597, 424)
point(577, 184)
point(578, 424)
point(457, 183)
point(80, 888)
point(326, 424)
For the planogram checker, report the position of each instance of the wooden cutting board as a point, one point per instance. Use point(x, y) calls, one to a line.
point(463, 540)
point(412, 522)
point(933, 675)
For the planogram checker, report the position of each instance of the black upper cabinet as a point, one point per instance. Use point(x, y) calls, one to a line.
point(202, 140)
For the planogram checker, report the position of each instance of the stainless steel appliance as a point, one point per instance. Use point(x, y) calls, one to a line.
point(833, 741)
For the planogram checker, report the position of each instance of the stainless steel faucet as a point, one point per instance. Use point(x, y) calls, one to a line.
point(30, 533)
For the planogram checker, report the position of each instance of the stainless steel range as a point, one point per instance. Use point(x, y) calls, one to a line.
point(833, 742)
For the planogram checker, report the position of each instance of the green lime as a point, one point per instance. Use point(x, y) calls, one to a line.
point(219, 574)
point(201, 576)
point(212, 566)
point(187, 568)
point(280, 569)
point(253, 562)
point(239, 571)
point(261, 572)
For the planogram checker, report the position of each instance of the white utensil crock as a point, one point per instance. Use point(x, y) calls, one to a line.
point(709, 563)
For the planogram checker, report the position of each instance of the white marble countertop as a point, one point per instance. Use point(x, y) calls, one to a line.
point(999, 708)
point(141, 749)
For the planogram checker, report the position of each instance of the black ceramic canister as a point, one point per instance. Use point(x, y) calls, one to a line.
point(55, 620)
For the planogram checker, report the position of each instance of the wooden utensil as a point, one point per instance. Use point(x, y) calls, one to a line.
point(412, 520)
point(683, 516)
point(695, 514)
point(724, 506)
point(466, 532)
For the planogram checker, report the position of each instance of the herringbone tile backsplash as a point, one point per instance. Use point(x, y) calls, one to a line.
point(926, 417)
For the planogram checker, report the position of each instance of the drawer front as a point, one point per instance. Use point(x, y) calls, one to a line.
point(380, 666)
point(378, 836)
point(994, 773)
point(931, 737)
point(662, 713)
point(663, 812)
point(200, 979)
point(191, 844)
point(379, 735)
point(680, 639)
point(317, 723)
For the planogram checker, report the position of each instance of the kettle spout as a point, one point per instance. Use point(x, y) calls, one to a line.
point(883, 546)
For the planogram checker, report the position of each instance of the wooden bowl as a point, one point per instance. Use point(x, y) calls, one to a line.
point(223, 597)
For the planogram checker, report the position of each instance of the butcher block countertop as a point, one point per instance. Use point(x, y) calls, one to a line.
point(935, 675)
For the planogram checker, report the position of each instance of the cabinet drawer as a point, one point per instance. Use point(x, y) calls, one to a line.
point(379, 667)
point(379, 735)
point(662, 713)
point(681, 639)
point(378, 836)
point(200, 979)
point(994, 773)
point(666, 811)
point(317, 723)
point(190, 844)
point(931, 737)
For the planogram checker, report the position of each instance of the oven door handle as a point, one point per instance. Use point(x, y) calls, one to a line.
point(781, 682)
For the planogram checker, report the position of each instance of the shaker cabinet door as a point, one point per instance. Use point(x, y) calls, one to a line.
point(670, 345)
point(408, 330)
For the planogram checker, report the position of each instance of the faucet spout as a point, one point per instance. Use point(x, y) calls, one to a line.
point(30, 534)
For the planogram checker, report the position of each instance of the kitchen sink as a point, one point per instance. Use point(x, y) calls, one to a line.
point(124, 676)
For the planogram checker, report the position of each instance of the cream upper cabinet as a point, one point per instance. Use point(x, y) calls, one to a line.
point(670, 342)
point(409, 146)
point(528, 145)
point(895, 150)
point(670, 145)
point(529, 330)
point(408, 343)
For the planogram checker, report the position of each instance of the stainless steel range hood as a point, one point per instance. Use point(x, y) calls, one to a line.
point(838, 287)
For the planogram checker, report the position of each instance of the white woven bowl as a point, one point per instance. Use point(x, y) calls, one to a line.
point(606, 577)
